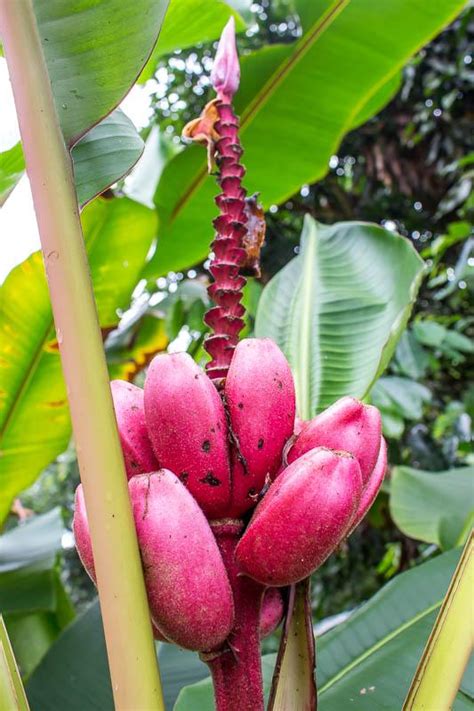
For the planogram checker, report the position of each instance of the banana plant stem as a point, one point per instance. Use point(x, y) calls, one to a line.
point(130, 648)
point(439, 673)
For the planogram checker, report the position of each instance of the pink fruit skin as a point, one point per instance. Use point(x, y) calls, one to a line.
point(272, 612)
point(188, 430)
point(260, 396)
point(130, 415)
point(80, 527)
point(305, 514)
point(372, 487)
point(348, 425)
point(188, 588)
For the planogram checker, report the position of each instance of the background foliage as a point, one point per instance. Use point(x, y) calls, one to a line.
point(328, 136)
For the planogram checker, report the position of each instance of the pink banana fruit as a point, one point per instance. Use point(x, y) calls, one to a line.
point(260, 399)
point(354, 427)
point(130, 415)
point(347, 425)
point(272, 611)
point(187, 584)
point(304, 515)
point(188, 430)
point(84, 546)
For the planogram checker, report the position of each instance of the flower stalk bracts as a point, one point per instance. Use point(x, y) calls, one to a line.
point(240, 226)
point(225, 319)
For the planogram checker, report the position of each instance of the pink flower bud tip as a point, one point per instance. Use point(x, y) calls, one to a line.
point(225, 75)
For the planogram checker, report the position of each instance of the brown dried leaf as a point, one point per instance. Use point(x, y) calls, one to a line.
point(255, 236)
point(202, 130)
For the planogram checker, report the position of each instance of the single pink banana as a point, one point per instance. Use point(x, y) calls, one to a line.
point(260, 399)
point(84, 546)
point(303, 517)
point(188, 588)
point(188, 429)
point(130, 415)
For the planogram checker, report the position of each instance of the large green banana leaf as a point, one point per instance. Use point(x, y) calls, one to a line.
point(105, 154)
point(338, 308)
point(94, 52)
point(436, 507)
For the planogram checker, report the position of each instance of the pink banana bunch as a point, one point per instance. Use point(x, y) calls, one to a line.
point(194, 456)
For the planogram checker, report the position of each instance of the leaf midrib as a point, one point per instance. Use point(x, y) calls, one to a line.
point(374, 648)
point(24, 384)
point(309, 283)
point(301, 48)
